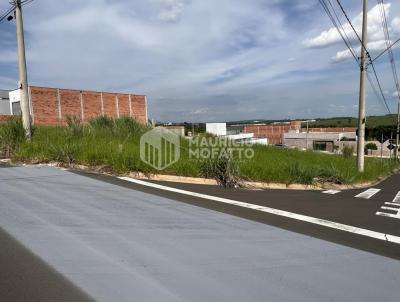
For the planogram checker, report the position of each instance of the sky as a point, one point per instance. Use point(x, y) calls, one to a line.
point(204, 60)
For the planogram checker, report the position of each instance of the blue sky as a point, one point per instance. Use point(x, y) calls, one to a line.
point(202, 60)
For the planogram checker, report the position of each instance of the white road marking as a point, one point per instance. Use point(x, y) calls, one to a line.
point(368, 193)
point(397, 198)
point(389, 215)
point(393, 204)
point(331, 192)
point(390, 208)
point(318, 221)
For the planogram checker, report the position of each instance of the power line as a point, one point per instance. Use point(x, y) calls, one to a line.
point(347, 41)
point(7, 13)
point(369, 56)
point(12, 8)
point(384, 51)
point(328, 12)
point(351, 24)
point(387, 40)
point(350, 46)
point(376, 93)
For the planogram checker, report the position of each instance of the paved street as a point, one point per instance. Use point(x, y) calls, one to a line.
point(118, 241)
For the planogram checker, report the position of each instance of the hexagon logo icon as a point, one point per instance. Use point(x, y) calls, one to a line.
point(159, 148)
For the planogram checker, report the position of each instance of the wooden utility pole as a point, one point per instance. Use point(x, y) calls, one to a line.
point(23, 76)
point(361, 106)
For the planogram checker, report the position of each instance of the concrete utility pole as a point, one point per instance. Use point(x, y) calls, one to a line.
point(361, 106)
point(398, 130)
point(23, 77)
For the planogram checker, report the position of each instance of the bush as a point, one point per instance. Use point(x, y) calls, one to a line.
point(348, 151)
point(102, 122)
point(12, 133)
point(370, 146)
point(224, 169)
point(74, 126)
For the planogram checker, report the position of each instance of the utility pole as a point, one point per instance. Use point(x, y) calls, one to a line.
point(23, 76)
point(398, 130)
point(361, 106)
point(307, 136)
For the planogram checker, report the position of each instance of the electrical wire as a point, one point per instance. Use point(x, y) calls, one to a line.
point(347, 41)
point(389, 49)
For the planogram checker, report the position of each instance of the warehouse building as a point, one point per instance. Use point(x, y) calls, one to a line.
point(321, 141)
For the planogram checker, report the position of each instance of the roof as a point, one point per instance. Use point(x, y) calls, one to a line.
point(4, 94)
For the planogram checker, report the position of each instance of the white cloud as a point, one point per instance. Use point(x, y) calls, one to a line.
point(195, 59)
point(331, 36)
point(376, 38)
point(373, 47)
point(171, 10)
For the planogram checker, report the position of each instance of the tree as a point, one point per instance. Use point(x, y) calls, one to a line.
point(370, 146)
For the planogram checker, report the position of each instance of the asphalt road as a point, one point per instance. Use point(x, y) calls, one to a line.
point(122, 242)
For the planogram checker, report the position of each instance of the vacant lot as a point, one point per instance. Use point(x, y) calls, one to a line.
point(114, 146)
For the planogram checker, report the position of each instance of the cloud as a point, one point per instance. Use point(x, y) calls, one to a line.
point(376, 38)
point(373, 47)
point(331, 36)
point(195, 60)
point(171, 10)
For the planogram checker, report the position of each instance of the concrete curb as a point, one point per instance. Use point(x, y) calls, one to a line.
point(203, 181)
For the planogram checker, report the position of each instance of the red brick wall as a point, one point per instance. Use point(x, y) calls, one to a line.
point(45, 109)
point(91, 105)
point(6, 118)
point(110, 108)
point(123, 105)
point(274, 133)
point(335, 130)
point(139, 108)
point(51, 106)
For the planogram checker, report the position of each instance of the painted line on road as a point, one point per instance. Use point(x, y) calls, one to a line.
point(309, 219)
point(392, 204)
point(368, 193)
point(390, 208)
point(397, 216)
point(331, 192)
point(397, 198)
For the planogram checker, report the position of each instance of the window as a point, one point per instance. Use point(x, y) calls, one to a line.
point(16, 108)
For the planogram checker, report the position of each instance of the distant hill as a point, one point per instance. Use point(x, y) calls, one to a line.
point(372, 121)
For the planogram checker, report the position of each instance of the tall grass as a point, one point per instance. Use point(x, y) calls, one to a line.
point(114, 145)
point(12, 134)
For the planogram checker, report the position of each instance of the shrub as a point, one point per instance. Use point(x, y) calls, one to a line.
point(300, 174)
point(224, 169)
point(102, 122)
point(348, 151)
point(370, 146)
point(74, 126)
point(12, 133)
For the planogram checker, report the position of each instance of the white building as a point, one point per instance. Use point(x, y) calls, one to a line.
point(218, 129)
point(4, 103)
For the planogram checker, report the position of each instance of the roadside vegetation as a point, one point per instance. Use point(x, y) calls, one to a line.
point(114, 146)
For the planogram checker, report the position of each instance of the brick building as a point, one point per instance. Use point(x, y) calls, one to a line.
point(274, 133)
point(51, 106)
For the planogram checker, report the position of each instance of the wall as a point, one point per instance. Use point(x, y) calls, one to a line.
point(216, 128)
point(5, 118)
point(51, 106)
point(334, 130)
point(5, 107)
point(274, 133)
